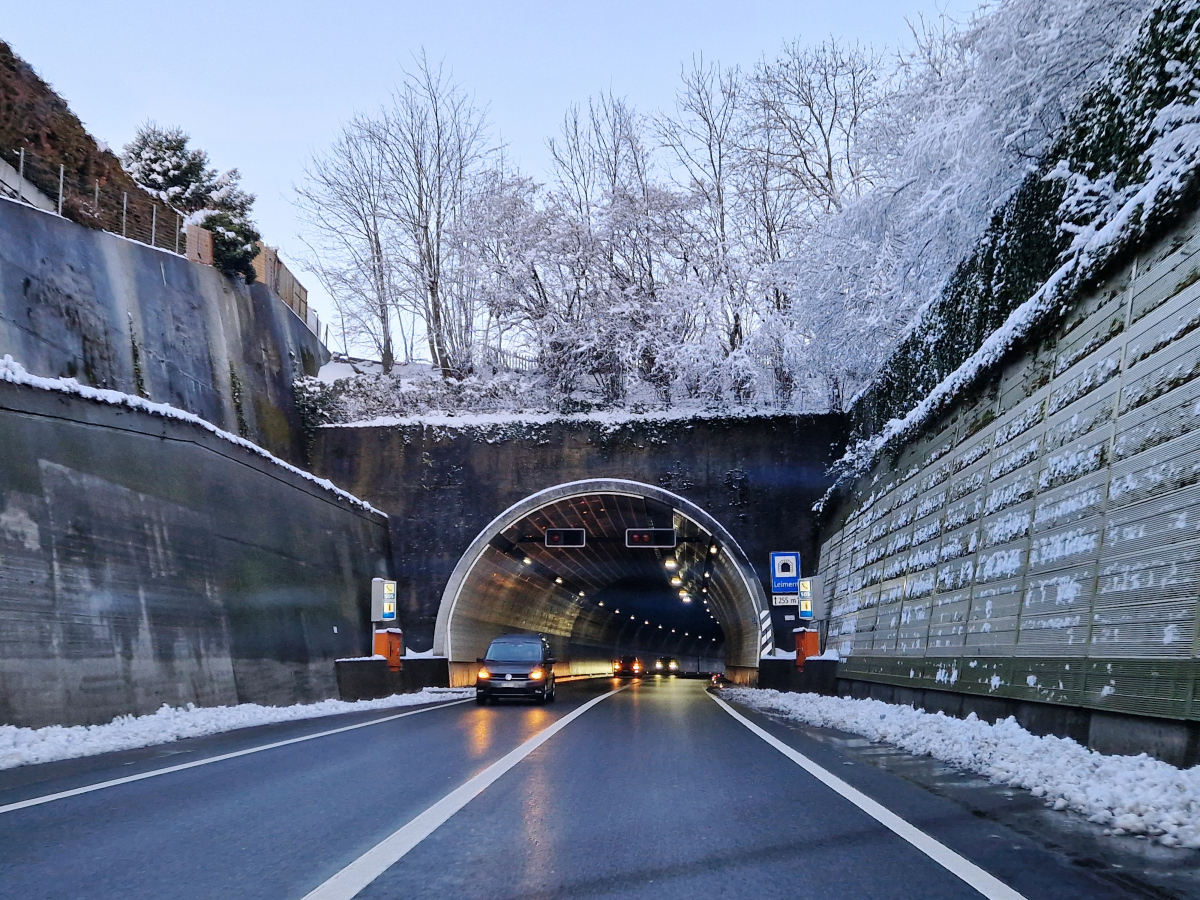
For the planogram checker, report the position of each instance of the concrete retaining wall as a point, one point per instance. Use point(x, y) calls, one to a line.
point(144, 560)
point(113, 313)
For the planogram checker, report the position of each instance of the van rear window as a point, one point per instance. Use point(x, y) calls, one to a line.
point(507, 651)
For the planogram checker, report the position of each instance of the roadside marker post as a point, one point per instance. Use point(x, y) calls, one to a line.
point(385, 641)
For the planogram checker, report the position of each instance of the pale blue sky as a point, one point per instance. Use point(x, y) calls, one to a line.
point(261, 84)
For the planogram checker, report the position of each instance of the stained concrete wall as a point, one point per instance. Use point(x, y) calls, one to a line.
point(144, 560)
point(113, 313)
point(758, 476)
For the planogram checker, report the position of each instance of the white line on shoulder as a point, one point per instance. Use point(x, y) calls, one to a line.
point(986, 884)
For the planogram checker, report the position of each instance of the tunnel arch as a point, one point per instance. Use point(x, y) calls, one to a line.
point(507, 581)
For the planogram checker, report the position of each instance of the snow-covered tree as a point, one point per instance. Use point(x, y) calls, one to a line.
point(769, 239)
point(344, 200)
point(160, 160)
point(973, 109)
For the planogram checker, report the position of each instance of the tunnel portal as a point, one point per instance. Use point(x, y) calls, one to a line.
point(699, 602)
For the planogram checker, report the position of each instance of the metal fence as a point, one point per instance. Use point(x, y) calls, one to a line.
point(94, 202)
point(134, 215)
point(506, 361)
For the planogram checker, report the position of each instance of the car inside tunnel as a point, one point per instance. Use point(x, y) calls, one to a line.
point(692, 595)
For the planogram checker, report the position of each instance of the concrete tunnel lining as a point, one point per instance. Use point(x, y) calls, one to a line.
point(490, 591)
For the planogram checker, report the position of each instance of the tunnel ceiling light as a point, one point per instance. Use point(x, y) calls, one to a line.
point(660, 626)
point(558, 580)
point(527, 561)
point(600, 603)
point(676, 581)
point(672, 631)
point(671, 564)
point(647, 621)
point(708, 574)
point(633, 617)
point(581, 593)
point(615, 611)
point(712, 549)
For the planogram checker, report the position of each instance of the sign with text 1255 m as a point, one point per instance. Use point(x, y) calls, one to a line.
point(785, 573)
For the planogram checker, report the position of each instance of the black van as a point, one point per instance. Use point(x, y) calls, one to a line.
point(516, 665)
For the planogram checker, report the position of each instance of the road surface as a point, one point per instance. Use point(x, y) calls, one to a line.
point(653, 791)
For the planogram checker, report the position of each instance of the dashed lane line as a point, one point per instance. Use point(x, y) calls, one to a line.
point(128, 779)
point(355, 877)
point(983, 882)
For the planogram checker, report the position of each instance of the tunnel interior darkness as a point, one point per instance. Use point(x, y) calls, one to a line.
point(699, 601)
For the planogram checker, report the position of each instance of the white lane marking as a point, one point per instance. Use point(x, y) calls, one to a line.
point(351, 880)
point(986, 884)
point(101, 785)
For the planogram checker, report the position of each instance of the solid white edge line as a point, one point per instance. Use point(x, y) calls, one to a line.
point(101, 785)
point(986, 884)
point(353, 878)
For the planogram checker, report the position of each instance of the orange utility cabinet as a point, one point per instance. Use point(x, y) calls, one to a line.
point(808, 643)
point(389, 643)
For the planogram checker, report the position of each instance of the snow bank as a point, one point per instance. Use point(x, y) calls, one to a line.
point(14, 373)
point(27, 746)
point(1127, 794)
point(610, 419)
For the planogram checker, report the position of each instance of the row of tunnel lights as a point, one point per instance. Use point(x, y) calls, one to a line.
point(672, 565)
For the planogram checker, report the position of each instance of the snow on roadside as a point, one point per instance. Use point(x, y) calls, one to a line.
point(14, 373)
point(28, 746)
point(1127, 794)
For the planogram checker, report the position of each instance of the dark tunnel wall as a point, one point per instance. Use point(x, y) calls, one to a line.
point(508, 580)
point(696, 599)
point(757, 475)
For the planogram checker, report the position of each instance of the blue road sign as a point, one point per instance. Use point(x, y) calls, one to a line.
point(785, 573)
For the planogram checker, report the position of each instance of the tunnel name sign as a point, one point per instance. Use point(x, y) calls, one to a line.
point(785, 573)
point(383, 600)
point(787, 588)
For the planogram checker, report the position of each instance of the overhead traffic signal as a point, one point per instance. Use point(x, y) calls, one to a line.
point(650, 537)
point(566, 537)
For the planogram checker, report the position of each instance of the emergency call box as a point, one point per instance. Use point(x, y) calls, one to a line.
point(383, 600)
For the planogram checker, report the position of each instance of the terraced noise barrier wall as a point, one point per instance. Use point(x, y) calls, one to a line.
point(1041, 541)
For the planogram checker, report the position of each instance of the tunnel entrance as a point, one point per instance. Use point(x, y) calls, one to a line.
point(700, 601)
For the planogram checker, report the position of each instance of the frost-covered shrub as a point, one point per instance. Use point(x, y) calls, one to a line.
point(371, 396)
point(1123, 170)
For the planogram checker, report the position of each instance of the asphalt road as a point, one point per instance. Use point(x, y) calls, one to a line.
point(654, 792)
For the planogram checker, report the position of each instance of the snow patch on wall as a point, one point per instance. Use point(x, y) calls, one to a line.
point(14, 373)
